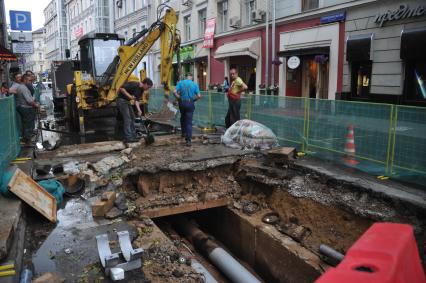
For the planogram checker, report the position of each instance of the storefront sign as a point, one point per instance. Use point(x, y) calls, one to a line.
point(339, 17)
point(209, 33)
point(403, 12)
point(78, 32)
point(293, 62)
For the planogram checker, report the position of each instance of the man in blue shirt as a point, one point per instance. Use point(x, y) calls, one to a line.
point(187, 92)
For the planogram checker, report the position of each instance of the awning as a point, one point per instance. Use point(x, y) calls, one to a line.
point(6, 55)
point(305, 51)
point(413, 42)
point(359, 47)
point(249, 47)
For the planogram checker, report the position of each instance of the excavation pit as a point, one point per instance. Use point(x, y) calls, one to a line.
point(227, 192)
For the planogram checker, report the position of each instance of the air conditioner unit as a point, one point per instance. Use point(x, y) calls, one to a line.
point(258, 15)
point(187, 3)
point(235, 22)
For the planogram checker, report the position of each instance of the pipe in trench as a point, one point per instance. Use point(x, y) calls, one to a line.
point(219, 257)
point(208, 278)
point(331, 253)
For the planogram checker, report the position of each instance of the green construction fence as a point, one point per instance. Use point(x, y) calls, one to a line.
point(9, 135)
point(389, 140)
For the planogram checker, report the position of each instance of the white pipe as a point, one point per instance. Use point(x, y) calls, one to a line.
point(274, 56)
point(267, 45)
point(207, 277)
point(230, 267)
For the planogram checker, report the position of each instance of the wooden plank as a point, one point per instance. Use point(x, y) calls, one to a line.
point(183, 208)
point(33, 194)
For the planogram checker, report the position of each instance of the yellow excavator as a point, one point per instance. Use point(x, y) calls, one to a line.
point(106, 62)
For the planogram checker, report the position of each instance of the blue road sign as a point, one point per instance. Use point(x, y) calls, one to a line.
point(20, 20)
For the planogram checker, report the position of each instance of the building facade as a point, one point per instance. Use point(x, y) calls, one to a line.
point(36, 61)
point(85, 16)
point(385, 59)
point(131, 17)
point(55, 25)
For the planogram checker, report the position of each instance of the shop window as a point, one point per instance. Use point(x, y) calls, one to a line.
point(202, 14)
point(223, 16)
point(415, 81)
point(309, 5)
point(361, 78)
point(187, 27)
point(250, 8)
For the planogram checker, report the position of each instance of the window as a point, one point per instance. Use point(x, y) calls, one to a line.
point(187, 27)
point(202, 14)
point(133, 6)
point(309, 5)
point(250, 7)
point(133, 32)
point(222, 11)
point(125, 35)
point(40, 56)
point(39, 44)
point(415, 81)
point(361, 79)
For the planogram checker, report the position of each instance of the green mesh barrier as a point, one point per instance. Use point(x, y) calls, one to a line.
point(388, 140)
point(9, 134)
point(408, 153)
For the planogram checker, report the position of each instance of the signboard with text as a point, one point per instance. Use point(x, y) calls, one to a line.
point(209, 33)
point(20, 20)
point(23, 47)
point(21, 36)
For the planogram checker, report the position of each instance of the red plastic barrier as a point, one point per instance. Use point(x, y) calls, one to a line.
point(386, 253)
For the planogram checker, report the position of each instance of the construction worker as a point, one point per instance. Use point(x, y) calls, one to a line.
point(25, 105)
point(234, 98)
point(187, 92)
point(131, 92)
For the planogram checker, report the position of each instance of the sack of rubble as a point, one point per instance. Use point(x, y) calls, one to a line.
point(247, 134)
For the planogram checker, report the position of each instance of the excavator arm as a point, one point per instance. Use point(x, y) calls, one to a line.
point(131, 54)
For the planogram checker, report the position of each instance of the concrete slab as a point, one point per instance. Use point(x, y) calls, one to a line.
point(10, 211)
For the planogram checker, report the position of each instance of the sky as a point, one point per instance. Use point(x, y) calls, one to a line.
point(36, 8)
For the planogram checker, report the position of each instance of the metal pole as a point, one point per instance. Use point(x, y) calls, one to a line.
point(273, 43)
point(267, 45)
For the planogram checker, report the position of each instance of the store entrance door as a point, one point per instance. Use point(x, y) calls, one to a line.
point(202, 75)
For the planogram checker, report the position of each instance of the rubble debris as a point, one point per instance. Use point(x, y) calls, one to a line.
point(271, 218)
point(247, 134)
point(101, 207)
point(113, 213)
point(55, 188)
point(117, 274)
point(121, 202)
point(73, 185)
point(297, 232)
point(250, 207)
point(177, 273)
point(108, 163)
point(280, 156)
point(49, 277)
point(71, 168)
point(33, 194)
point(127, 151)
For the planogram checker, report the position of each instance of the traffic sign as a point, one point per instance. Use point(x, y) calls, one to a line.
point(23, 47)
point(20, 20)
point(21, 36)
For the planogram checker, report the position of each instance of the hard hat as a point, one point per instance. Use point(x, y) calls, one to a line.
point(133, 78)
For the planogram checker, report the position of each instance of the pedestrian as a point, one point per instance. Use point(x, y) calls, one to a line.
point(130, 92)
point(4, 90)
point(31, 80)
point(226, 85)
point(234, 98)
point(187, 92)
point(26, 106)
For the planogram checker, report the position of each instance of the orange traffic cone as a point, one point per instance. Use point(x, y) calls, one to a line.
point(349, 158)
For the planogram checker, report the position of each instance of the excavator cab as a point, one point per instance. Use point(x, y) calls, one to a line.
point(97, 51)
